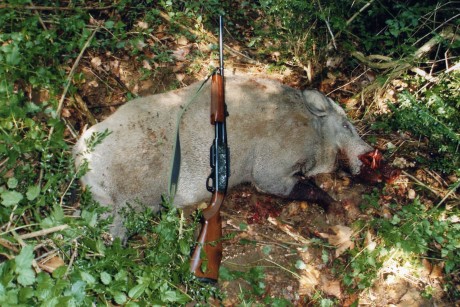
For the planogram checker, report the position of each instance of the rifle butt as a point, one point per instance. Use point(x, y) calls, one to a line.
point(207, 256)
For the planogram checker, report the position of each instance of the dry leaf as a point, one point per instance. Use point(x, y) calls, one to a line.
point(180, 77)
point(93, 83)
point(341, 239)
point(52, 264)
point(369, 243)
point(309, 280)
point(182, 41)
point(143, 25)
point(180, 54)
point(331, 287)
point(65, 113)
point(96, 62)
point(411, 194)
point(146, 65)
point(436, 272)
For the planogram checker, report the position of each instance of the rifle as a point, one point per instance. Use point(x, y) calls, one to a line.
point(207, 255)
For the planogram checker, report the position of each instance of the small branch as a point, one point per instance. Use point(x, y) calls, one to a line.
point(7, 244)
point(72, 259)
point(359, 12)
point(421, 183)
point(453, 68)
point(368, 61)
point(289, 231)
point(43, 232)
point(451, 191)
point(81, 105)
point(327, 24)
point(72, 72)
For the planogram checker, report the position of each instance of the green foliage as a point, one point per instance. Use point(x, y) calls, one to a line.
point(255, 280)
point(111, 274)
point(433, 114)
point(414, 231)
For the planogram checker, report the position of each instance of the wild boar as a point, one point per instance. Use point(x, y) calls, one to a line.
point(276, 135)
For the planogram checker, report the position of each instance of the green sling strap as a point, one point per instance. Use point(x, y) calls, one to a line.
point(176, 160)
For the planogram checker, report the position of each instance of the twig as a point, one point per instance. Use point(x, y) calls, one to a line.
point(23, 244)
point(405, 63)
point(283, 268)
point(451, 191)
point(43, 232)
point(7, 244)
point(72, 71)
point(421, 183)
point(66, 88)
point(84, 108)
point(350, 20)
point(327, 24)
point(359, 12)
point(289, 231)
point(72, 259)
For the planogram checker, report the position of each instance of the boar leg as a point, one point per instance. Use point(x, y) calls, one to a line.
point(308, 191)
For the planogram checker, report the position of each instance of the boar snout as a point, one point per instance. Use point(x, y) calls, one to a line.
point(374, 169)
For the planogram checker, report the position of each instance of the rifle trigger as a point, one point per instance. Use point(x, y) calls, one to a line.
point(210, 187)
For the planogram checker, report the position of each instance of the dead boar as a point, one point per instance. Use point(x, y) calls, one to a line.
point(277, 135)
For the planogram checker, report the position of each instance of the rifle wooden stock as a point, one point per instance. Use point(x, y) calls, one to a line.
point(217, 99)
point(207, 255)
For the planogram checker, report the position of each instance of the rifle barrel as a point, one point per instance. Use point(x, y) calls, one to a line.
point(221, 45)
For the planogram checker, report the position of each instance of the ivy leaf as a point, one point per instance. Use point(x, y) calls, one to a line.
point(12, 183)
point(26, 276)
point(11, 198)
point(137, 291)
point(78, 291)
point(173, 296)
point(88, 278)
point(120, 298)
point(106, 278)
point(33, 192)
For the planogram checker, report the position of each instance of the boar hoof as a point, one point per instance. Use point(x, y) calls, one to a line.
point(308, 191)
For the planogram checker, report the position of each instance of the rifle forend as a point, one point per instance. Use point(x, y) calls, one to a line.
point(217, 99)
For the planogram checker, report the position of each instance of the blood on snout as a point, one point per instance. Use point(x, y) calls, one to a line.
point(374, 169)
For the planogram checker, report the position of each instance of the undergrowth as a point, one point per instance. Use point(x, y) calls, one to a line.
point(398, 246)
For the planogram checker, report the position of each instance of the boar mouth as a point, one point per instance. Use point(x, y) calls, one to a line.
point(374, 169)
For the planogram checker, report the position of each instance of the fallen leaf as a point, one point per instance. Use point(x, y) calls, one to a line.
point(51, 264)
point(436, 272)
point(309, 280)
point(65, 113)
point(143, 25)
point(411, 194)
point(182, 41)
point(93, 83)
point(96, 62)
point(341, 238)
point(180, 77)
point(331, 287)
point(146, 65)
point(180, 54)
point(368, 242)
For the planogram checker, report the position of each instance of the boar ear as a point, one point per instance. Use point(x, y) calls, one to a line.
point(316, 103)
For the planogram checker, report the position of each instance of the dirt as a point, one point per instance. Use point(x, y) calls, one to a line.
point(283, 237)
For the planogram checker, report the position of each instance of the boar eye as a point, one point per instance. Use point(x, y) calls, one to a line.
point(346, 125)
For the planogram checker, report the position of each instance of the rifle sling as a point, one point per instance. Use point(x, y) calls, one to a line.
point(176, 159)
